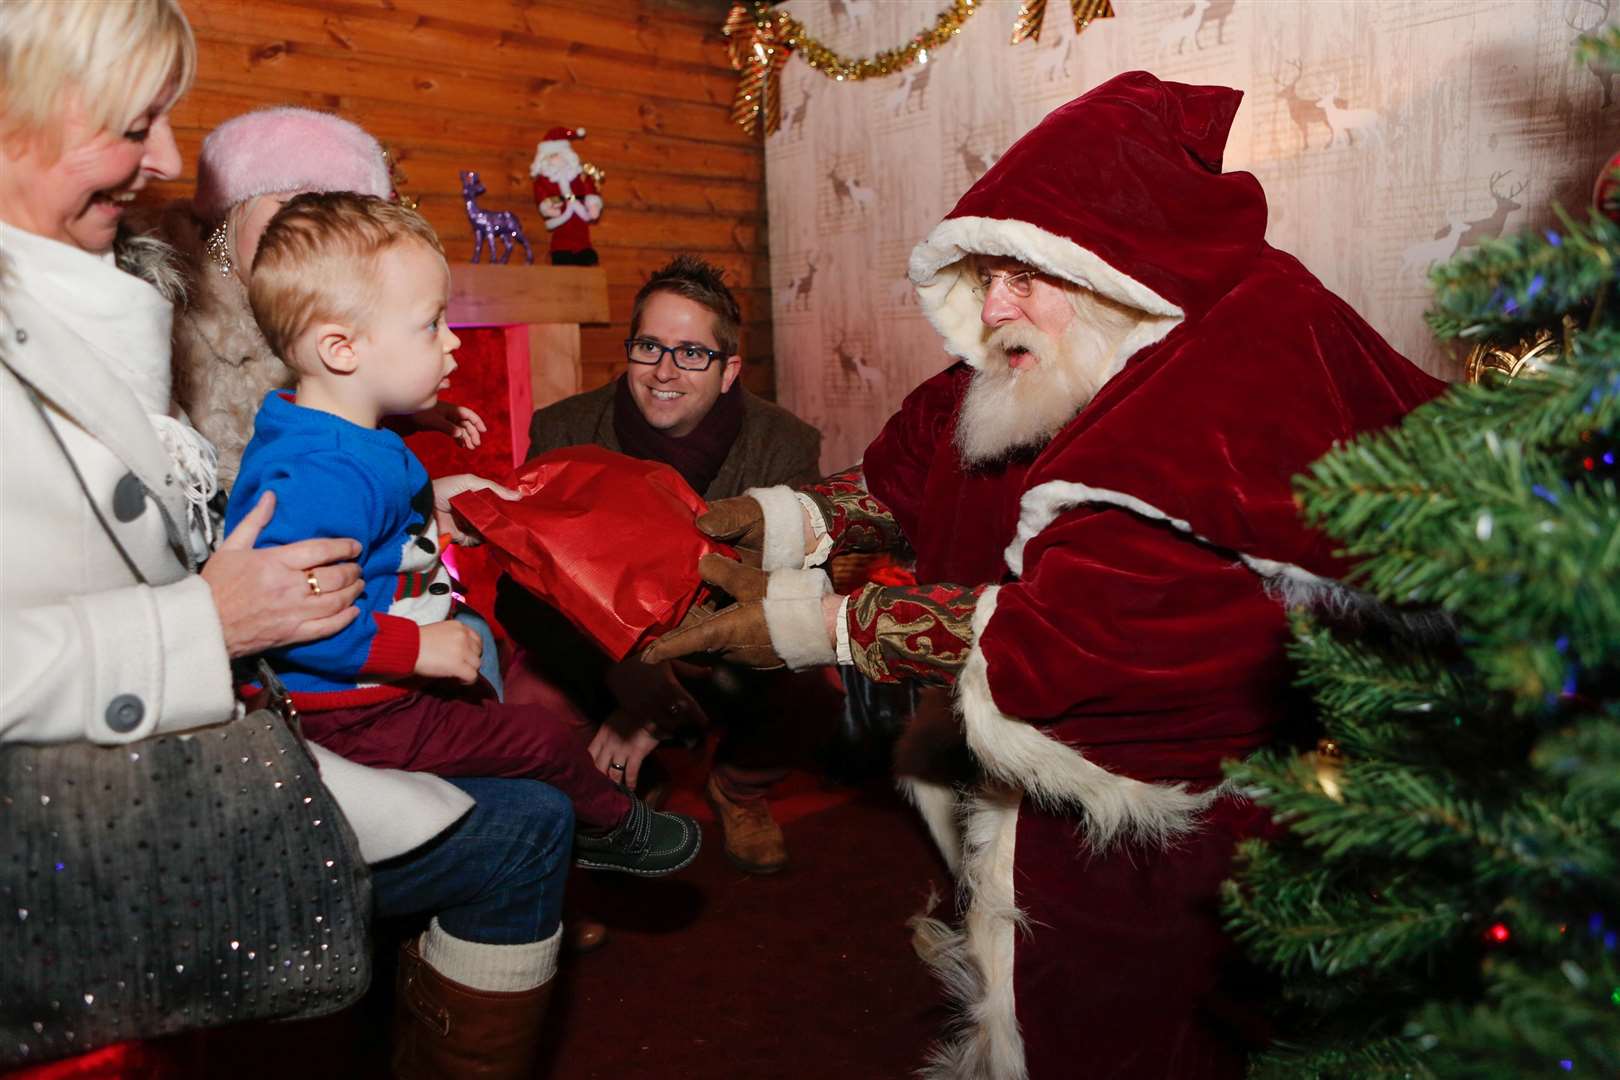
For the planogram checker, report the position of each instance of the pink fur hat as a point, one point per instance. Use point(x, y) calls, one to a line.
point(286, 149)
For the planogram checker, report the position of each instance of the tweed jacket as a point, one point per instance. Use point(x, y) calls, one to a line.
point(773, 447)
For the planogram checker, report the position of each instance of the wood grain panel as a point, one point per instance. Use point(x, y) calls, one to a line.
point(475, 84)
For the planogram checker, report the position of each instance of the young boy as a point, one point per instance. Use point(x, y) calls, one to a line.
point(350, 292)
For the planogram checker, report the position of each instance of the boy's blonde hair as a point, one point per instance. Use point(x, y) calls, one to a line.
point(112, 59)
point(318, 261)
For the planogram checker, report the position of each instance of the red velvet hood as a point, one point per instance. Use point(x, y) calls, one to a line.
point(1244, 368)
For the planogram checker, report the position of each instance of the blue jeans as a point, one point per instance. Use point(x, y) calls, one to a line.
point(496, 876)
point(489, 665)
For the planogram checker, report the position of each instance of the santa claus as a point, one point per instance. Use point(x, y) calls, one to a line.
point(1098, 494)
point(566, 195)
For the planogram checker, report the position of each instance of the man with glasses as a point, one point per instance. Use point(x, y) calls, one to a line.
point(1099, 496)
point(679, 401)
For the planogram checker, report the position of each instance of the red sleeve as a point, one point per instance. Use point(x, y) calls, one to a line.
point(897, 464)
point(1120, 620)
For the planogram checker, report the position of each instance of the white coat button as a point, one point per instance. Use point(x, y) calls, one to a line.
point(125, 712)
point(22, 336)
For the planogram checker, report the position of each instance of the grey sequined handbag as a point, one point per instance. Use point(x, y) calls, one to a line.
point(180, 882)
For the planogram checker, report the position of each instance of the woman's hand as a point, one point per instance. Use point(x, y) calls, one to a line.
point(265, 598)
point(456, 421)
point(622, 740)
point(446, 488)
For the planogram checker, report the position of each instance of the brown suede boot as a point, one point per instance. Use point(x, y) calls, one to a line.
point(754, 841)
point(445, 1030)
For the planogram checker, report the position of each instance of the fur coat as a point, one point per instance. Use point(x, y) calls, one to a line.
point(222, 365)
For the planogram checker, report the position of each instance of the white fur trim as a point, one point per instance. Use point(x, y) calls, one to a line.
point(503, 969)
point(1057, 776)
point(976, 964)
point(784, 527)
point(946, 294)
point(1041, 505)
point(793, 617)
point(937, 805)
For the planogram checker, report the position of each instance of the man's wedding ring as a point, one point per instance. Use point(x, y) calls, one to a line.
point(616, 765)
point(314, 583)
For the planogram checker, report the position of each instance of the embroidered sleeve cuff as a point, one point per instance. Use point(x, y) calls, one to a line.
point(920, 632)
point(854, 518)
point(394, 648)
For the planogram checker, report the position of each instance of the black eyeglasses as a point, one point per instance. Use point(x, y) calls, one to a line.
point(686, 357)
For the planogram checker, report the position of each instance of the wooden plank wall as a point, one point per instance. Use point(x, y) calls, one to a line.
point(474, 84)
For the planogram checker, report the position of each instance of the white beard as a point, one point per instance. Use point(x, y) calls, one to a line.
point(1007, 409)
point(560, 167)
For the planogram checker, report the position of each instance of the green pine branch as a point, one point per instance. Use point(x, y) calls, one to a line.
point(1505, 286)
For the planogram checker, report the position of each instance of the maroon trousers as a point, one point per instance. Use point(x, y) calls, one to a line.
point(473, 735)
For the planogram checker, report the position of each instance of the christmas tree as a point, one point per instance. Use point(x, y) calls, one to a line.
point(1445, 901)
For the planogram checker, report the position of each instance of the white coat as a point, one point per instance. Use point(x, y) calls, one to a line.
point(88, 650)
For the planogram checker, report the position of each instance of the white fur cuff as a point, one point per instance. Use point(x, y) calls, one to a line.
point(784, 527)
point(793, 617)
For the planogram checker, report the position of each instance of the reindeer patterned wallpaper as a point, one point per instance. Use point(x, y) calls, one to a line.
point(1388, 134)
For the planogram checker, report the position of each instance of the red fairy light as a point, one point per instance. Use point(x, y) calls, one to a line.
point(1498, 933)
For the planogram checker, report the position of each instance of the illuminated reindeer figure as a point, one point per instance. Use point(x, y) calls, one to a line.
point(491, 225)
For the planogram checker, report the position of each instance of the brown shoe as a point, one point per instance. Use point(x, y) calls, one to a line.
point(444, 1029)
point(754, 841)
point(584, 935)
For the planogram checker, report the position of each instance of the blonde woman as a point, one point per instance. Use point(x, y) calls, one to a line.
point(116, 629)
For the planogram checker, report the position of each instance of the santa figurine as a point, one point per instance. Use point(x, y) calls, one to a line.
point(566, 195)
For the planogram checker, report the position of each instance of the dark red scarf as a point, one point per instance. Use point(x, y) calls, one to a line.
point(698, 456)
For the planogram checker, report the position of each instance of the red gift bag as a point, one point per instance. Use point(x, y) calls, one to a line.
point(607, 540)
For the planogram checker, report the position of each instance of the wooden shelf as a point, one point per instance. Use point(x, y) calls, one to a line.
point(493, 294)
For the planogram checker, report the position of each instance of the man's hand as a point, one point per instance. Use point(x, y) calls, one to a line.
point(456, 421)
point(737, 633)
point(652, 695)
point(264, 597)
point(450, 650)
point(621, 740)
point(446, 488)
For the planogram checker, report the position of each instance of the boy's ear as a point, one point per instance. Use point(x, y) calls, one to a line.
point(334, 344)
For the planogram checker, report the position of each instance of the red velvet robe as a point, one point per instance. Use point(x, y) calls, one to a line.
point(1132, 645)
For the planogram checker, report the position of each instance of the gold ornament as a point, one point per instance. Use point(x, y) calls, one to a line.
point(598, 177)
point(1527, 356)
point(1327, 762)
point(1027, 26)
point(761, 40)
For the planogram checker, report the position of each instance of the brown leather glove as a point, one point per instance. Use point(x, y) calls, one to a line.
point(737, 633)
point(739, 522)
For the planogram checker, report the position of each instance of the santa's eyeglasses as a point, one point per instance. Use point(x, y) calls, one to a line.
point(687, 357)
point(1018, 282)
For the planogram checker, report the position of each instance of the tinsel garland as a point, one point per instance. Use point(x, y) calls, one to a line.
point(1027, 26)
point(761, 40)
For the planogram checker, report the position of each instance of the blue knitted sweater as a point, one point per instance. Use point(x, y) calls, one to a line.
point(333, 478)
